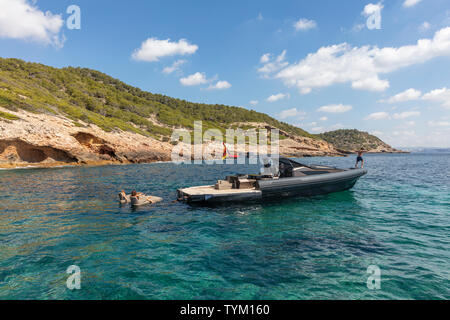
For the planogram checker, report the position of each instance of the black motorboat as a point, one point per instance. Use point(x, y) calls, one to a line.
point(290, 179)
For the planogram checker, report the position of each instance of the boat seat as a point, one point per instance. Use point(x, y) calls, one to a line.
point(246, 184)
point(223, 185)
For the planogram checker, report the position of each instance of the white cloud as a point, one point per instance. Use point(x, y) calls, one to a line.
point(199, 78)
point(265, 58)
point(371, 84)
point(337, 126)
point(254, 102)
point(407, 138)
point(304, 25)
point(272, 66)
point(425, 26)
point(291, 113)
point(410, 3)
point(404, 133)
point(318, 129)
point(408, 95)
point(324, 119)
point(397, 116)
point(358, 27)
point(20, 19)
point(406, 125)
point(305, 90)
point(220, 85)
point(153, 49)
point(406, 114)
point(335, 108)
point(276, 97)
point(361, 66)
point(439, 123)
point(194, 79)
point(174, 67)
point(377, 116)
point(439, 95)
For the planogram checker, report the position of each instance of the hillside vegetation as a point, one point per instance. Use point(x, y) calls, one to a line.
point(89, 96)
point(353, 140)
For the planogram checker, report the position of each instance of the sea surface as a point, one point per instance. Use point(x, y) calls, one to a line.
point(396, 218)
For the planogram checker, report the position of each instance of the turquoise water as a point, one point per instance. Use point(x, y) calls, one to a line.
point(397, 217)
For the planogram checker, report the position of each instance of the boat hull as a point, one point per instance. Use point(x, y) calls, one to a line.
point(312, 185)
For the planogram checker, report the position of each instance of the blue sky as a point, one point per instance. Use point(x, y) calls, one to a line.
point(314, 64)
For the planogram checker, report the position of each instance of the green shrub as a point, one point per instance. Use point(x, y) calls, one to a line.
point(8, 116)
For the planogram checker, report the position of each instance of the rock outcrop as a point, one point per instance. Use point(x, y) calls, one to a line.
point(19, 151)
point(40, 139)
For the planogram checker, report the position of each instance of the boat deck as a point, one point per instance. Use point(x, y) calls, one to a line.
point(211, 194)
point(211, 190)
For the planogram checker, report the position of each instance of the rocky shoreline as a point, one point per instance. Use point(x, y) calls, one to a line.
point(375, 151)
point(42, 140)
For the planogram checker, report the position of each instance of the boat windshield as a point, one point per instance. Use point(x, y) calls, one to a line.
point(292, 163)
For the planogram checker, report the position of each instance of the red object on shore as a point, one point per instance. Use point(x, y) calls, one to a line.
point(226, 154)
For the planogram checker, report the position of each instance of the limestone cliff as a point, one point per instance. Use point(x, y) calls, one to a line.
point(40, 139)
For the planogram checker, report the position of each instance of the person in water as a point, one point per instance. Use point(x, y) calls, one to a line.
point(360, 158)
point(123, 197)
point(136, 194)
